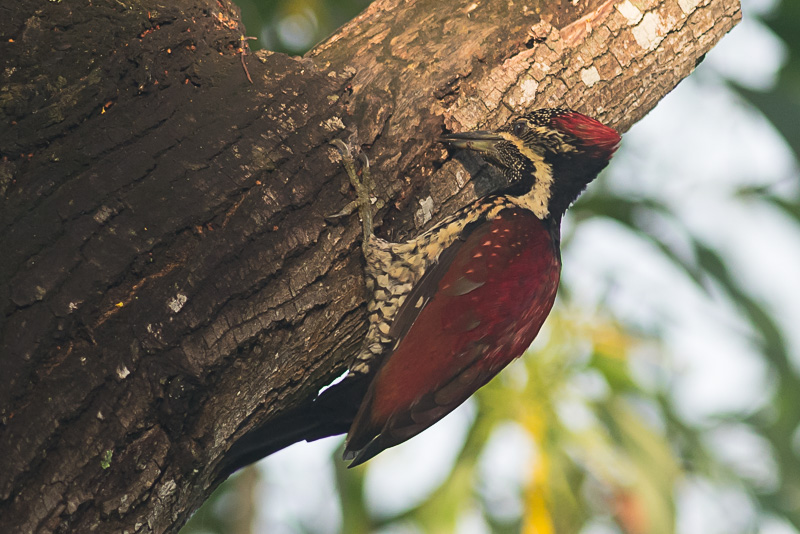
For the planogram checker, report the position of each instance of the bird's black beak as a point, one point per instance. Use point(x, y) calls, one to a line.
point(480, 141)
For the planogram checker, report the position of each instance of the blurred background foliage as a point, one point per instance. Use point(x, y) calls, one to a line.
point(294, 26)
point(685, 251)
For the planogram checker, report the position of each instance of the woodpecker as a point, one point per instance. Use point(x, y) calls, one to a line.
point(450, 308)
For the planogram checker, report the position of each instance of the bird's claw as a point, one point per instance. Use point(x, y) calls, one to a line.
point(345, 211)
point(344, 148)
point(362, 184)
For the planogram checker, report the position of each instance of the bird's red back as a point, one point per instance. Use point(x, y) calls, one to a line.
point(488, 307)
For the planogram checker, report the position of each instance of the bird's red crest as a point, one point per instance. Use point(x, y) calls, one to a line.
point(595, 136)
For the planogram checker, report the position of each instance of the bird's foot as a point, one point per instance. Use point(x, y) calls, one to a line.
point(363, 186)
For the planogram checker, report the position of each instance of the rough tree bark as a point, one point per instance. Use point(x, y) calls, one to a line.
point(168, 277)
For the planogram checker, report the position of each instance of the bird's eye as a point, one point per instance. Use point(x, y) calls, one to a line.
point(520, 127)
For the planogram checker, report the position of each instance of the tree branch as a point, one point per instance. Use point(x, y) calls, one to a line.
point(169, 277)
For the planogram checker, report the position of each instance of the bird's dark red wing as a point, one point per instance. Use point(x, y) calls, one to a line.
point(488, 306)
point(422, 292)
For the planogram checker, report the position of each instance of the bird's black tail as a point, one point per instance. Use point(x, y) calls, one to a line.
point(329, 414)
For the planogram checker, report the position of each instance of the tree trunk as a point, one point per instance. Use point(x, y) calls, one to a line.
point(168, 275)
